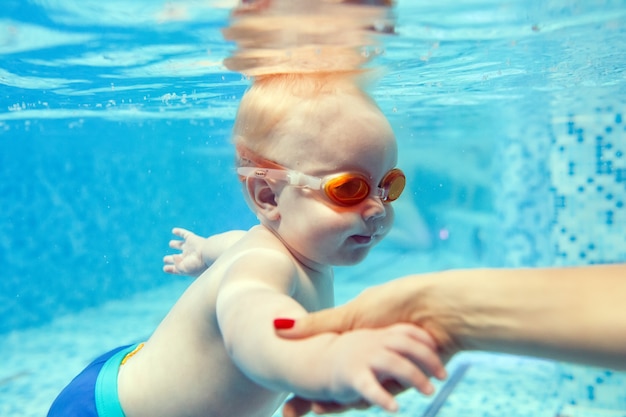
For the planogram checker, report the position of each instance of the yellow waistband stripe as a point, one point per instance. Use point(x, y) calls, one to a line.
point(132, 353)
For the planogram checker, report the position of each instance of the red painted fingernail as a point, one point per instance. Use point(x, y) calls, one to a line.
point(284, 323)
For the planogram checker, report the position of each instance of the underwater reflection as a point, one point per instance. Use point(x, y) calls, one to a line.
point(304, 36)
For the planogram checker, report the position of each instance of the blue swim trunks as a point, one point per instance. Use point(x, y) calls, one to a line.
point(93, 393)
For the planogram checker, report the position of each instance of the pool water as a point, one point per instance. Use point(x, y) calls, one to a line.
point(114, 127)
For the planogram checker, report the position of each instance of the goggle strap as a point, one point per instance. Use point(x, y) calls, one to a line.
point(294, 178)
point(256, 172)
point(247, 157)
point(303, 180)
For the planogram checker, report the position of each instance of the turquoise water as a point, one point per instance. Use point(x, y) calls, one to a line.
point(114, 127)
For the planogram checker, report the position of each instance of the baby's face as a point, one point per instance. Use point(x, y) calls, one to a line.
point(354, 137)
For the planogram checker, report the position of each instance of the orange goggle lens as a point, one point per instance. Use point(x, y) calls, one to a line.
point(352, 189)
point(393, 184)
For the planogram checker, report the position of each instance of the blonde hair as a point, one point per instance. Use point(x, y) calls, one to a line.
point(273, 100)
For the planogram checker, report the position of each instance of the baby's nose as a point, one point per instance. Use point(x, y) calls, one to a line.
point(374, 208)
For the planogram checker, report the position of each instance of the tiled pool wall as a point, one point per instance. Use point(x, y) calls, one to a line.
point(588, 176)
point(522, 199)
point(560, 190)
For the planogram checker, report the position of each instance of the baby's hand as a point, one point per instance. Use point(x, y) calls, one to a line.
point(190, 261)
point(375, 364)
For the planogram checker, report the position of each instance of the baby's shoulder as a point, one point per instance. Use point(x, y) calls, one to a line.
point(262, 258)
point(258, 246)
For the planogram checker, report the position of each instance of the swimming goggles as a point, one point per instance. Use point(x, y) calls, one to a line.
point(344, 189)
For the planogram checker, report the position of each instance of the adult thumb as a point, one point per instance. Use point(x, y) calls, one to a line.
point(335, 320)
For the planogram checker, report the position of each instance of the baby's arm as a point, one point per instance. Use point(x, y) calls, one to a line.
point(343, 368)
point(198, 253)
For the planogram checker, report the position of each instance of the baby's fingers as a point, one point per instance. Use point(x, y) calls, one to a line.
point(404, 371)
point(426, 359)
point(408, 341)
point(418, 334)
point(180, 232)
point(374, 393)
point(172, 264)
point(177, 244)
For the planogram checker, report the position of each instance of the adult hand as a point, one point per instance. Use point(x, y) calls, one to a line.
point(404, 300)
point(571, 314)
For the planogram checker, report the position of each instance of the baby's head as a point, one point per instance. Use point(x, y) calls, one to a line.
point(321, 126)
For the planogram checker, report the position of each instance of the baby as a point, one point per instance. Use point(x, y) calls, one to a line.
point(316, 158)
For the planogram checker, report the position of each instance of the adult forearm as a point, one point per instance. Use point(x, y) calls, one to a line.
point(571, 314)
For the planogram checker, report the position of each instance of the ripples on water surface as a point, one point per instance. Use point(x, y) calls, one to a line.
point(164, 59)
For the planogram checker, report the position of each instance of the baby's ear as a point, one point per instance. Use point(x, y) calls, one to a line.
point(263, 196)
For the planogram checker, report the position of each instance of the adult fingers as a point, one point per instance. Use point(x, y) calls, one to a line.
point(335, 320)
point(296, 407)
point(335, 408)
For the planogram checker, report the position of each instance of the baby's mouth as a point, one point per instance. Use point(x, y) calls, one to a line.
point(363, 240)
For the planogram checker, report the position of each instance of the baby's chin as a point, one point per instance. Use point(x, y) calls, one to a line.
point(356, 257)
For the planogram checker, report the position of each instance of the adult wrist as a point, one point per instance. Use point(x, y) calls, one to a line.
point(436, 304)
